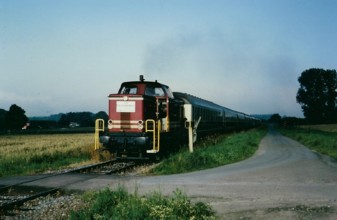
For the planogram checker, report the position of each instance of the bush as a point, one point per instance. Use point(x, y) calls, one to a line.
point(119, 204)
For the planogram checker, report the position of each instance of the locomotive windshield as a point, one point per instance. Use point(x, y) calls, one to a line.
point(128, 89)
point(154, 91)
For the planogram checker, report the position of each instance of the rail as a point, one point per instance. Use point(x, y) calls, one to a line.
point(15, 195)
point(4, 208)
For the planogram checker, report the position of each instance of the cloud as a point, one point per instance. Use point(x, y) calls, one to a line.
point(30, 103)
point(10, 97)
point(238, 72)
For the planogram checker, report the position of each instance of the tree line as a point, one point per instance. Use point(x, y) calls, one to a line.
point(15, 119)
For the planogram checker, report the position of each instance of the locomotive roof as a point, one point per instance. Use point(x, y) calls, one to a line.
point(144, 82)
point(146, 88)
point(202, 102)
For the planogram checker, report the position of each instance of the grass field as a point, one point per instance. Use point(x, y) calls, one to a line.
point(31, 154)
point(321, 138)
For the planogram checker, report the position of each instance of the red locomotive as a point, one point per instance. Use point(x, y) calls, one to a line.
point(146, 118)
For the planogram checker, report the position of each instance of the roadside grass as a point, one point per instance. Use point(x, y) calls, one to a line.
point(320, 140)
point(213, 152)
point(322, 127)
point(31, 154)
point(119, 204)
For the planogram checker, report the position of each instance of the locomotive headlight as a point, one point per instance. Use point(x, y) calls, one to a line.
point(140, 125)
point(110, 125)
point(104, 139)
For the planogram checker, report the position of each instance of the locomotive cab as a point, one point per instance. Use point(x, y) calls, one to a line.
point(138, 114)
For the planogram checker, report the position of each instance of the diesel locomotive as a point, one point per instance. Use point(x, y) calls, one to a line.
point(146, 118)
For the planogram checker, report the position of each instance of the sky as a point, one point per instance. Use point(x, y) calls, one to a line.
point(69, 55)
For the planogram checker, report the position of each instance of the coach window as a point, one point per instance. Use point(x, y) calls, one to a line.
point(197, 111)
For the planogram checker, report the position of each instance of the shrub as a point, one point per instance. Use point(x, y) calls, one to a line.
point(119, 204)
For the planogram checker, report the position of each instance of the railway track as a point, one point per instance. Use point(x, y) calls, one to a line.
point(18, 195)
point(15, 195)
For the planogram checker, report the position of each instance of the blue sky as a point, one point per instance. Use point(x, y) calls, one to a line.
point(69, 55)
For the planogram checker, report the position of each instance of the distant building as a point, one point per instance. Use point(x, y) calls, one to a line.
point(74, 124)
point(25, 126)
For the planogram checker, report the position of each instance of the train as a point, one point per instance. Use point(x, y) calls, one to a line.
point(147, 119)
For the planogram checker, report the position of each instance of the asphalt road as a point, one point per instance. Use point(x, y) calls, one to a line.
point(283, 180)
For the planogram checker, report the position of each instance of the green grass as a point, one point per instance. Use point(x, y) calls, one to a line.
point(213, 152)
point(324, 142)
point(119, 204)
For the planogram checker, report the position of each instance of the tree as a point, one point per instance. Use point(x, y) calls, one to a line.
point(84, 119)
point(275, 118)
point(317, 95)
point(2, 118)
point(15, 118)
point(102, 115)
